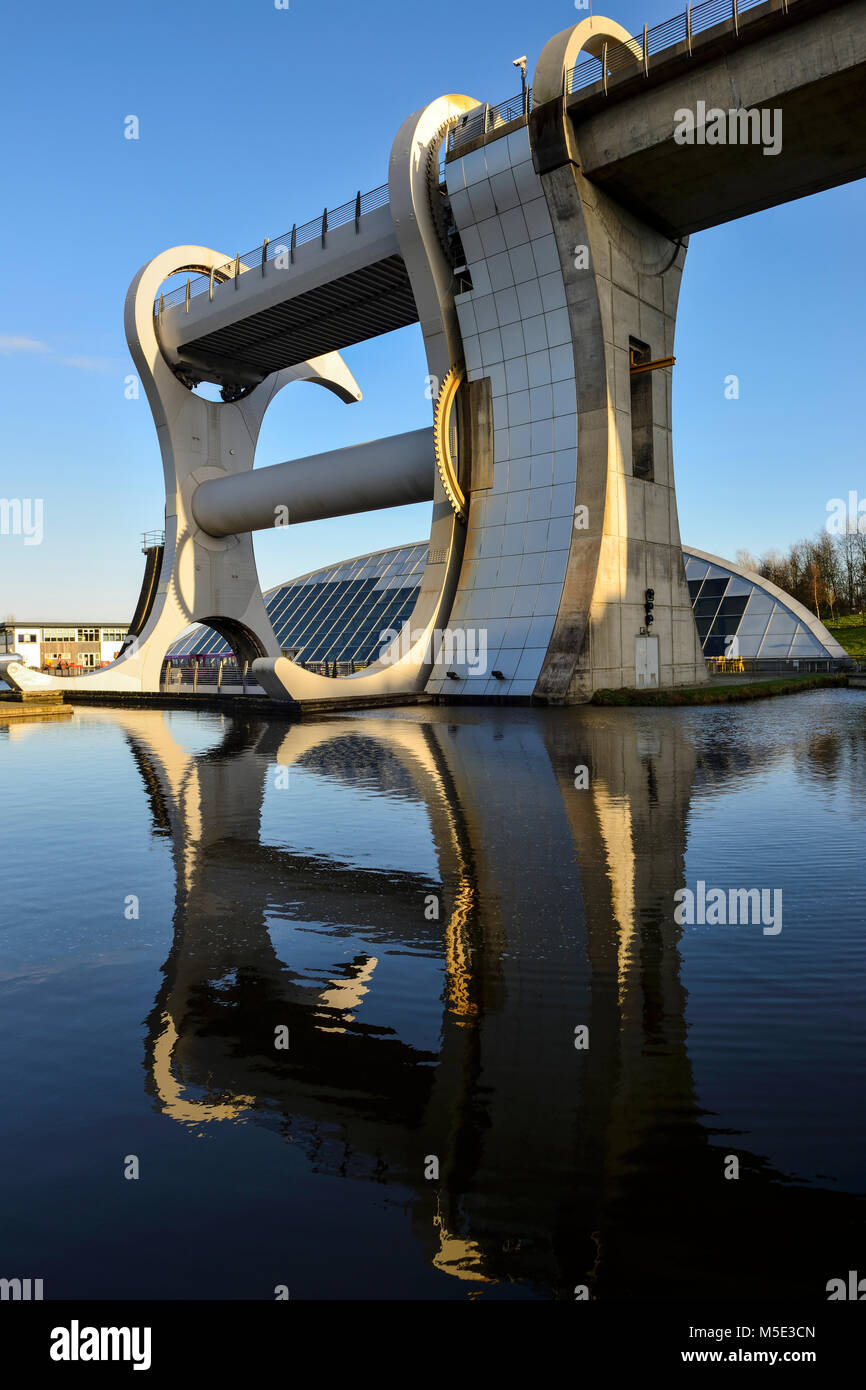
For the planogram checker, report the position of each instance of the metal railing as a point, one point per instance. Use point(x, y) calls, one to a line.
point(333, 668)
point(481, 120)
point(695, 19)
point(72, 668)
point(769, 666)
point(151, 540)
point(270, 249)
point(221, 673)
point(616, 57)
point(213, 674)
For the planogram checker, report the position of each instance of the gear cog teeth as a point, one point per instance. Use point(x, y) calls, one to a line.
point(433, 188)
point(444, 462)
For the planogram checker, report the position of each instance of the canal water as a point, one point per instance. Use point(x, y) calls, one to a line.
point(398, 1005)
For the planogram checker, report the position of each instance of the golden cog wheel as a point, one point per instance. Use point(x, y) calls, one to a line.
point(442, 413)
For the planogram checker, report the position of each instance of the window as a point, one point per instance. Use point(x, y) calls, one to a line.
point(641, 414)
point(714, 588)
point(113, 635)
point(28, 637)
point(88, 634)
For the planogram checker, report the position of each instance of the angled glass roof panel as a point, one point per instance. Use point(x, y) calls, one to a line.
point(805, 643)
point(732, 606)
point(782, 622)
point(714, 587)
point(780, 633)
point(775, 645)
point(753, 624)
point(739, 586)
point(760, 602)
point(706, 607)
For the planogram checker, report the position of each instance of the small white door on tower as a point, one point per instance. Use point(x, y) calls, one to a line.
point(646, 661)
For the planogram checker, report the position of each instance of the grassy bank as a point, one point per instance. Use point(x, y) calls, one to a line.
point(850, 633)
point(718, 694)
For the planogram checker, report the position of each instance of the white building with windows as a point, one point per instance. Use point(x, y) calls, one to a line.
point(61, 647)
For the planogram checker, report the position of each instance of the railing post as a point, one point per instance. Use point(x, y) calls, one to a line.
point(237, 268)
point(324, 226)
point(689, 26)
point(161, 306)
point(195, 677)
point(604, 66)
point(736, 18)
point(645, 53)
point(186, 297)
point(210, 284)
point(294, 243)
point(358, 211)
point(244, 678)
point(220, 675)
point(264, 254)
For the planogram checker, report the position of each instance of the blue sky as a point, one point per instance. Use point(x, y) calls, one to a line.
point(252, 118)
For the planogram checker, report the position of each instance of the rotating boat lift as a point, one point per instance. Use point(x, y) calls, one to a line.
point(526, 349)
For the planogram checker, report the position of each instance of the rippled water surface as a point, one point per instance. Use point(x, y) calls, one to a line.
point(425, 907)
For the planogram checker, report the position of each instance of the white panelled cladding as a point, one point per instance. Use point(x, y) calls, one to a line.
point(27, 645)
point(515, 330)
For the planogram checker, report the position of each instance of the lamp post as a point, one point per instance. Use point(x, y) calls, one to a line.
point(521, 63)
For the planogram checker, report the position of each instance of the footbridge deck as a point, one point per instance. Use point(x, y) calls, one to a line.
point(324, 286)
